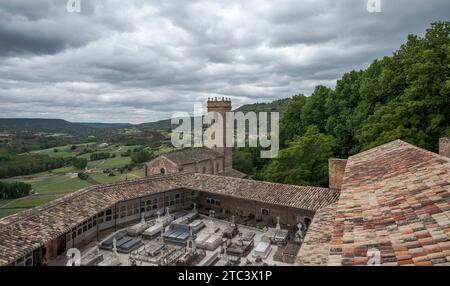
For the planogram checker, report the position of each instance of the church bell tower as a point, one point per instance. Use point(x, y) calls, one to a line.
point(218, 132)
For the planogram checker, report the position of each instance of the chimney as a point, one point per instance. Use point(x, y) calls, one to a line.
point(336, 170)
point(444, 147)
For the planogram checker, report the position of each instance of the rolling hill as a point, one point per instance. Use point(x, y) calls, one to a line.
point(44, 125)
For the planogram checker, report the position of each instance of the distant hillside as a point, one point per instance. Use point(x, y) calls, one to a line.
point(276, 105)
point(95, 128)
point(157, 125)
point(44, 125)
point(99, 125)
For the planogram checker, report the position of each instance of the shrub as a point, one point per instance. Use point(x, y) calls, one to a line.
point(83, 176)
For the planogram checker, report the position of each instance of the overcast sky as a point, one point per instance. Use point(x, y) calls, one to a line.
point(141, 60)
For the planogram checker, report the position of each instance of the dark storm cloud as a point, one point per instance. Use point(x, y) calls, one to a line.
point(45, 27)
point(137, 60)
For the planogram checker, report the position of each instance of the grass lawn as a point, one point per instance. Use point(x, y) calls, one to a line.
point(137, 173)
point(57, 184)
point(48, 189)
point(31, 202)
point(110, 163)
point(18, 205)
point(164, 149)
point(63, 152)
point(66, 169)
point(3, 202)
point(106, 179)
point(7, 212)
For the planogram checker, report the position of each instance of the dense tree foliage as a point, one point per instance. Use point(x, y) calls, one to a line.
point(14, 190)
point(141, 156)
point(405, 96)
point(303, 161)
point(100, 156)
point(79, 163)
point(17, 165)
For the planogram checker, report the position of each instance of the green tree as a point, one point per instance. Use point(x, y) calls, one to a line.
point(14, 190)
point(290, 121)
point(243, 161)
point(413, 95)
point(303, 162)
point(79, 163)
point(141, 156)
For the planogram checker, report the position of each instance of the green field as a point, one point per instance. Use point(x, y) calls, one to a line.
point(163, 149)
point(113, 149)
point(3, 202)
point(57, 184)
point(63, 151)
point(110, 163)
point(107, 179)
point(137, 173)
point(66, 169)
point(7, 212)
point(31, 202)
point(51, 185)
point(47, 190)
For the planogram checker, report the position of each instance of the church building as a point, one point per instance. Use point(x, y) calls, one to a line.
point(206, 160)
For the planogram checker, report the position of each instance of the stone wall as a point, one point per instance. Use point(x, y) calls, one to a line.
point(336, 169)
point(212, 166)
point(243, 207)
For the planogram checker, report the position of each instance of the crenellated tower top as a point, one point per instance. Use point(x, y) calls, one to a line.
point(217, 102)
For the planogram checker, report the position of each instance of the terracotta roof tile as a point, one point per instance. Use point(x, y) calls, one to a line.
point(316, 245)
point(395, 198)
point(233, 173)
point(188, 156)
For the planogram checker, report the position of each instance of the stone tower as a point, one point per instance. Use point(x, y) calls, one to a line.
point(220, 106)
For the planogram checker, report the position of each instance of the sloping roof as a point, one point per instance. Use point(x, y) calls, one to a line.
point(395, 198)
point(308, 198)
point(26, 231)
point(188, 156)
point(316, 245)
point(233, 173)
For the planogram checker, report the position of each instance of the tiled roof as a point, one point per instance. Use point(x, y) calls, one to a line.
point(308, 198)
point(395, 198)
point(26, 231)
point(188, 156)
point(233, 173)
point(316, 245)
